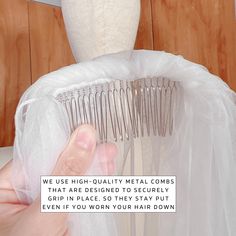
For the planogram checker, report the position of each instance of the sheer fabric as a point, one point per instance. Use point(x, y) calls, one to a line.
point(201, 151)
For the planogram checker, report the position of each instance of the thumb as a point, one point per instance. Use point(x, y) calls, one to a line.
point(74, 160)
point(79, 153)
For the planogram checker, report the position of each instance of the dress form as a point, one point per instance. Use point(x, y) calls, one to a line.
point(99, 27)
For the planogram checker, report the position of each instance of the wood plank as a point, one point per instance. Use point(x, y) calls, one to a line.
point(228, 26)
point(15, 74)
point(144, 38)
point(202, 31)
point(49, 45)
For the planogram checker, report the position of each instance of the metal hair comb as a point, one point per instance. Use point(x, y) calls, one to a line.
point(121, 109)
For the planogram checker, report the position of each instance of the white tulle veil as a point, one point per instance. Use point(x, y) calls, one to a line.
point(201, 152)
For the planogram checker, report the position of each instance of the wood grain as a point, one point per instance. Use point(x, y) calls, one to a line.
point(202, 31)
point(15, 74)
point(144, 38)
point(49, 45)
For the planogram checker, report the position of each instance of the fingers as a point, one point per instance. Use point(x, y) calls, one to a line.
point(31, 221)
point(8, 210)
point(78, 155)
point(5, 176)
point(8, 196)
point(106, 154)
point(76, 159)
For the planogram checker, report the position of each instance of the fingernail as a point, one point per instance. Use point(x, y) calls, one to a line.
point(86, 138)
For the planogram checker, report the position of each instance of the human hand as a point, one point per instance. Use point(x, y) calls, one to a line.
point(17, 219)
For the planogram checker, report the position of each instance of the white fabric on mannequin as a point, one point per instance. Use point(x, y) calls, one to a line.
point(201, 152)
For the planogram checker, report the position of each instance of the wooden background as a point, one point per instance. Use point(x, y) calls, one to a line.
point(33, 42)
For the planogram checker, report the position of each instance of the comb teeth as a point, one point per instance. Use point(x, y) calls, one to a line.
point(120, 110)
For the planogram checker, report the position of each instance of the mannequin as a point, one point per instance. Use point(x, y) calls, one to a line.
point(100, 27)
